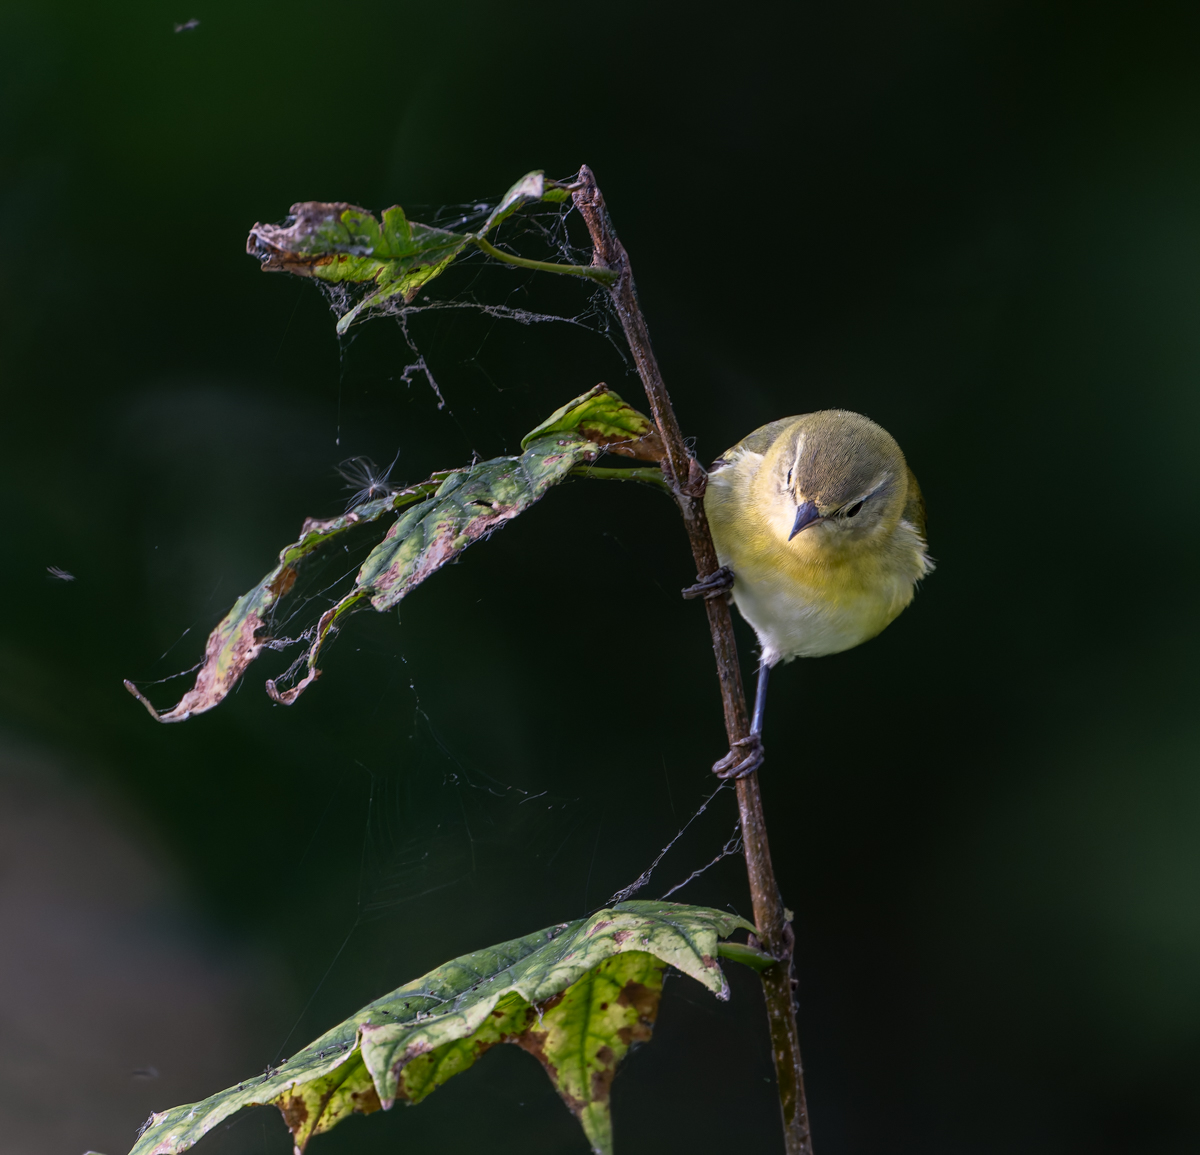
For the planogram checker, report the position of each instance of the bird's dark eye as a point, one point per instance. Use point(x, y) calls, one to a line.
point(853, 510)
point(789, 480)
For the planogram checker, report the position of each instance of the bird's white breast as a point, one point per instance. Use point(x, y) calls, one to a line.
point(796, 620)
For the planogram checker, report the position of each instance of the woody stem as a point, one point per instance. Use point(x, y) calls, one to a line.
point(687, 479)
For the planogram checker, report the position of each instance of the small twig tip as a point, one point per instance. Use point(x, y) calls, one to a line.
point(143, 699)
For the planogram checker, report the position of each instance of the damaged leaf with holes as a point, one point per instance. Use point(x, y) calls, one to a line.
point(338, 242)
point(576, 996)
point(439, 518)
point(238, 639)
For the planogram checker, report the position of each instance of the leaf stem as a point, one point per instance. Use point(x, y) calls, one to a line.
point(739, 952)
point(651, 475)
point(687, 479)
point(595, 273)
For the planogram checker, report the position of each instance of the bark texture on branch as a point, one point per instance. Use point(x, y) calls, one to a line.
point(688, 479)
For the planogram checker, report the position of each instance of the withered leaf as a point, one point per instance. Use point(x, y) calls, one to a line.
point(342, 243)
point(439, 518)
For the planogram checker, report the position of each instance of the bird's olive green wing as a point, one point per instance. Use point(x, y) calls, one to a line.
point(914, 508)
point(760, 440)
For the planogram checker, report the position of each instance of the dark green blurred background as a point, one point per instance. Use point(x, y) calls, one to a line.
point(979, 224)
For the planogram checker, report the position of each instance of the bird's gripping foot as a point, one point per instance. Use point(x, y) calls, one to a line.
point(716, 585)
point(746, 754)
point(744, 758)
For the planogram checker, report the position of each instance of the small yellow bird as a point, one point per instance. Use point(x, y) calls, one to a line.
point(819, 527)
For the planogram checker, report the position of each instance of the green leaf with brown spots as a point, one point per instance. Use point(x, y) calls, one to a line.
point(313, 1108)
point(239, 638)
point(439, 518)
point(341, 243)
point(582, 1039)
point(577, 996)
point(604, 419)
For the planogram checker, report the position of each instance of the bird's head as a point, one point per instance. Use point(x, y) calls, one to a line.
point(839, 474)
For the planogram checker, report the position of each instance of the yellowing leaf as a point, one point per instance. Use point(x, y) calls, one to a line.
point(338, 242)
point(577, 996)
point(438, 519)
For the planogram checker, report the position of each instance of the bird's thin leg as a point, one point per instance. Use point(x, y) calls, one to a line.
point(760, 698)
point(747, 753)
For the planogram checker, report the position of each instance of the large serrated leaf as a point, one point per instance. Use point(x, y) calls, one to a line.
point(576, 996)
point(439, 518)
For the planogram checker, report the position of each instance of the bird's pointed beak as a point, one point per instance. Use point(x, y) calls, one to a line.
point(806, 515)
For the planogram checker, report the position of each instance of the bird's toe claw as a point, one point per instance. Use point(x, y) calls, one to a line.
point(716, 585)
point(744, 758)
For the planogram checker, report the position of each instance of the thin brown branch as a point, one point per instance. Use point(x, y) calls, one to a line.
point(688, 479)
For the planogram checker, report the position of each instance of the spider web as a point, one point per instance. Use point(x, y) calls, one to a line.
point(500, 294)
point(487, 291)
point(540, 231)
point(433, 822)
